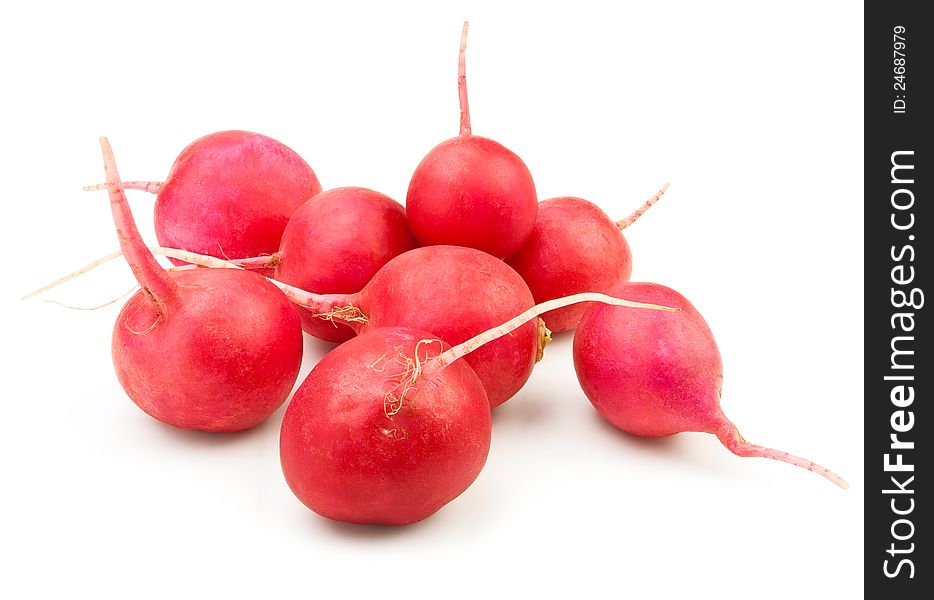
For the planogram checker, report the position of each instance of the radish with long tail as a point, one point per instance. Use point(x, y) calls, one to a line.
point(655, 375)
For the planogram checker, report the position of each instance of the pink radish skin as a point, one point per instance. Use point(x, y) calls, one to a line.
point(575, 247)
point(335, 243)
point(471, 191)
point(229, 194)
point(349, 453)
point(652, 374)
point(206, 349)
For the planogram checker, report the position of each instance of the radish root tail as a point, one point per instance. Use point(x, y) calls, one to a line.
point(347, 314)
point(730, 437)
point(404, 382)
point(462, 83)
point(645, 206)
point(144, 186)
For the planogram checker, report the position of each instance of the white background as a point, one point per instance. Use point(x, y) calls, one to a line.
point(753, 114)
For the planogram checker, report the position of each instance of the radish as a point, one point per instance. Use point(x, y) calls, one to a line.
point(391, 425)
point(229, 194)
point(357, 445)
point(335, 243)
point(574, 247)
point(455, 293)
point(471, 191)
point(206, 349)
point(656, 375)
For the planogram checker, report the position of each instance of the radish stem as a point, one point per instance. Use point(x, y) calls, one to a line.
point(730, 437)
point(462, 83)
point(641, 210)
point(452, 354)
point(156, 283)
point(145, 186)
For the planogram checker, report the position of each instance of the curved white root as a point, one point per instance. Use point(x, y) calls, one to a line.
point(88, 267)
point(452, 354)
point(645, 206)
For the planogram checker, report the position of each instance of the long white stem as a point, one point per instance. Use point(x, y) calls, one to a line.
point(320, 303)
point(70, 276)
point(645, 206)
point(452, 354)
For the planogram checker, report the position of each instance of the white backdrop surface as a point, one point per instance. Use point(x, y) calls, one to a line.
point(753, 113)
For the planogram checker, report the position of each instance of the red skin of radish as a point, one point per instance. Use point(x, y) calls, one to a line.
point(207, 349)
point(471, 191)
point(225, 358)
point(656, 374)
point(455, 293)
point(230, 195)
point(348, 458)
point(335, 243)
point(575, 247)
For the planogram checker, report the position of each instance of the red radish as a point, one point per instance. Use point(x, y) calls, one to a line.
point(335, 243)
point(455, 293)
point(207, 349)
point(471, 191)
point(357, 445)
point(230, 194)
point(391, 426)
point(656, 375)
point(574, 247)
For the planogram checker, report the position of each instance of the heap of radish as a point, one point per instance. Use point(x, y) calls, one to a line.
point(435, 305)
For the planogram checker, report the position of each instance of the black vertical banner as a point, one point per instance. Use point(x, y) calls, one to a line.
point(899, 367)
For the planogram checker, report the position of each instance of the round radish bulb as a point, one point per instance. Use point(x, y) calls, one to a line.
point(206, 349)
point(455, 293)
point(229, 195)
point(653, 374)
point(471, 191)
point(575, 247)
point(360, 442)
point(335, 243)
